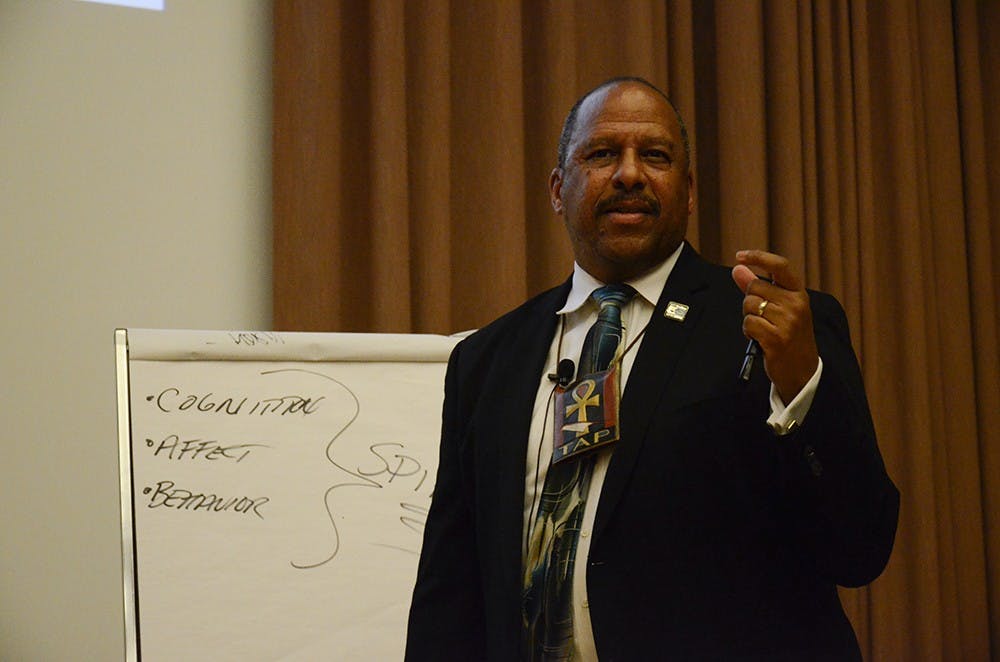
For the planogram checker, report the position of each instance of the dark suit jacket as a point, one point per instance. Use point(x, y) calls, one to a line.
point(714, 538)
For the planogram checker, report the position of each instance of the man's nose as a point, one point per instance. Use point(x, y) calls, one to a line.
point(629, 175)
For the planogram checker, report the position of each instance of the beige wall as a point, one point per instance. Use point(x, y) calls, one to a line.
point(134, 191)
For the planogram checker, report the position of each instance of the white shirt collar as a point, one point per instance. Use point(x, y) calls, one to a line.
point(649, 285)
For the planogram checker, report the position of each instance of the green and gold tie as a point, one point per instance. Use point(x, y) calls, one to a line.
point(547, 614)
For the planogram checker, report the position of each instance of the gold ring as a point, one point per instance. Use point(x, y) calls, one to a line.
point(760, 308)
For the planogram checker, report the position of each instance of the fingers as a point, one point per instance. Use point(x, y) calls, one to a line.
point(778, 316)
point(763, 319)
point(743, 276)
point(758, 306)
point(770, 307)
point(760, 295)
point(762, 330)
point(777, 266)
point(757, 290)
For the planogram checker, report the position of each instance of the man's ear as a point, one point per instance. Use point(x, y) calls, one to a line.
point(555, 190)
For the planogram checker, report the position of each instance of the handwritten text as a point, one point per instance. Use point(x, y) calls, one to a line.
point(174, 448)
point(167, 496)
point(172, 400)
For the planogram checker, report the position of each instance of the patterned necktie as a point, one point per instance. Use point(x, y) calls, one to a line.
point(548, 581)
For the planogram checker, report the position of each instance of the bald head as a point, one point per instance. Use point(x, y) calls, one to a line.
point(569, 125)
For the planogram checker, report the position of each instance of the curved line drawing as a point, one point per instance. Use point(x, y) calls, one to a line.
point(416, 516)
point(333, 523)
point(329, 456)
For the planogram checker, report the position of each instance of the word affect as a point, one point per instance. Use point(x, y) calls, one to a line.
point(207, 449)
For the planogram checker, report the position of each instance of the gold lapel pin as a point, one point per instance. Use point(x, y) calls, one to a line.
point(676, 311)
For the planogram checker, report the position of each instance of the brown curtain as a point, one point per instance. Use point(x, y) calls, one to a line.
point(412, 147)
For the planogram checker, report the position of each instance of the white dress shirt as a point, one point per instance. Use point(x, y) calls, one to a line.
point(577, 316)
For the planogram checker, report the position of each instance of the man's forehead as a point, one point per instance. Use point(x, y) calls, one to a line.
point(614, 116)
point(628, 104)
point(611, 131)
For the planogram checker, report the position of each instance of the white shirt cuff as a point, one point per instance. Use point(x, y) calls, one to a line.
point(786, 418)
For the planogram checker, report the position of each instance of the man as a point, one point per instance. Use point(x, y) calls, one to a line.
point(724, 511)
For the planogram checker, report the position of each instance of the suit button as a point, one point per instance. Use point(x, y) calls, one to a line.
point(815, 466)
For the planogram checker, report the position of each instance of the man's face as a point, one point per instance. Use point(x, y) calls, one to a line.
point(626, 190)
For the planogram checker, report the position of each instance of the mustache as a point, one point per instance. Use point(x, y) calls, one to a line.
point(652, 205)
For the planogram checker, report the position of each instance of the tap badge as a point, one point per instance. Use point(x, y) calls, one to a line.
point(586, 414)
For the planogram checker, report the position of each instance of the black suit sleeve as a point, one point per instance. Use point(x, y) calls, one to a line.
point(844, 504)
point(447, 615)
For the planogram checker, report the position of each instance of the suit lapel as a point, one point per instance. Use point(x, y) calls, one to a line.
point(504, 428)
point(654, 370)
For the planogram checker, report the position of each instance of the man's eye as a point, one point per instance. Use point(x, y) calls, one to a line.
point(599, 154)
point(657, 155)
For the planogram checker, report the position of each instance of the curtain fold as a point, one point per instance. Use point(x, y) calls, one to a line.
point(977, 55)
point(412, 149)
